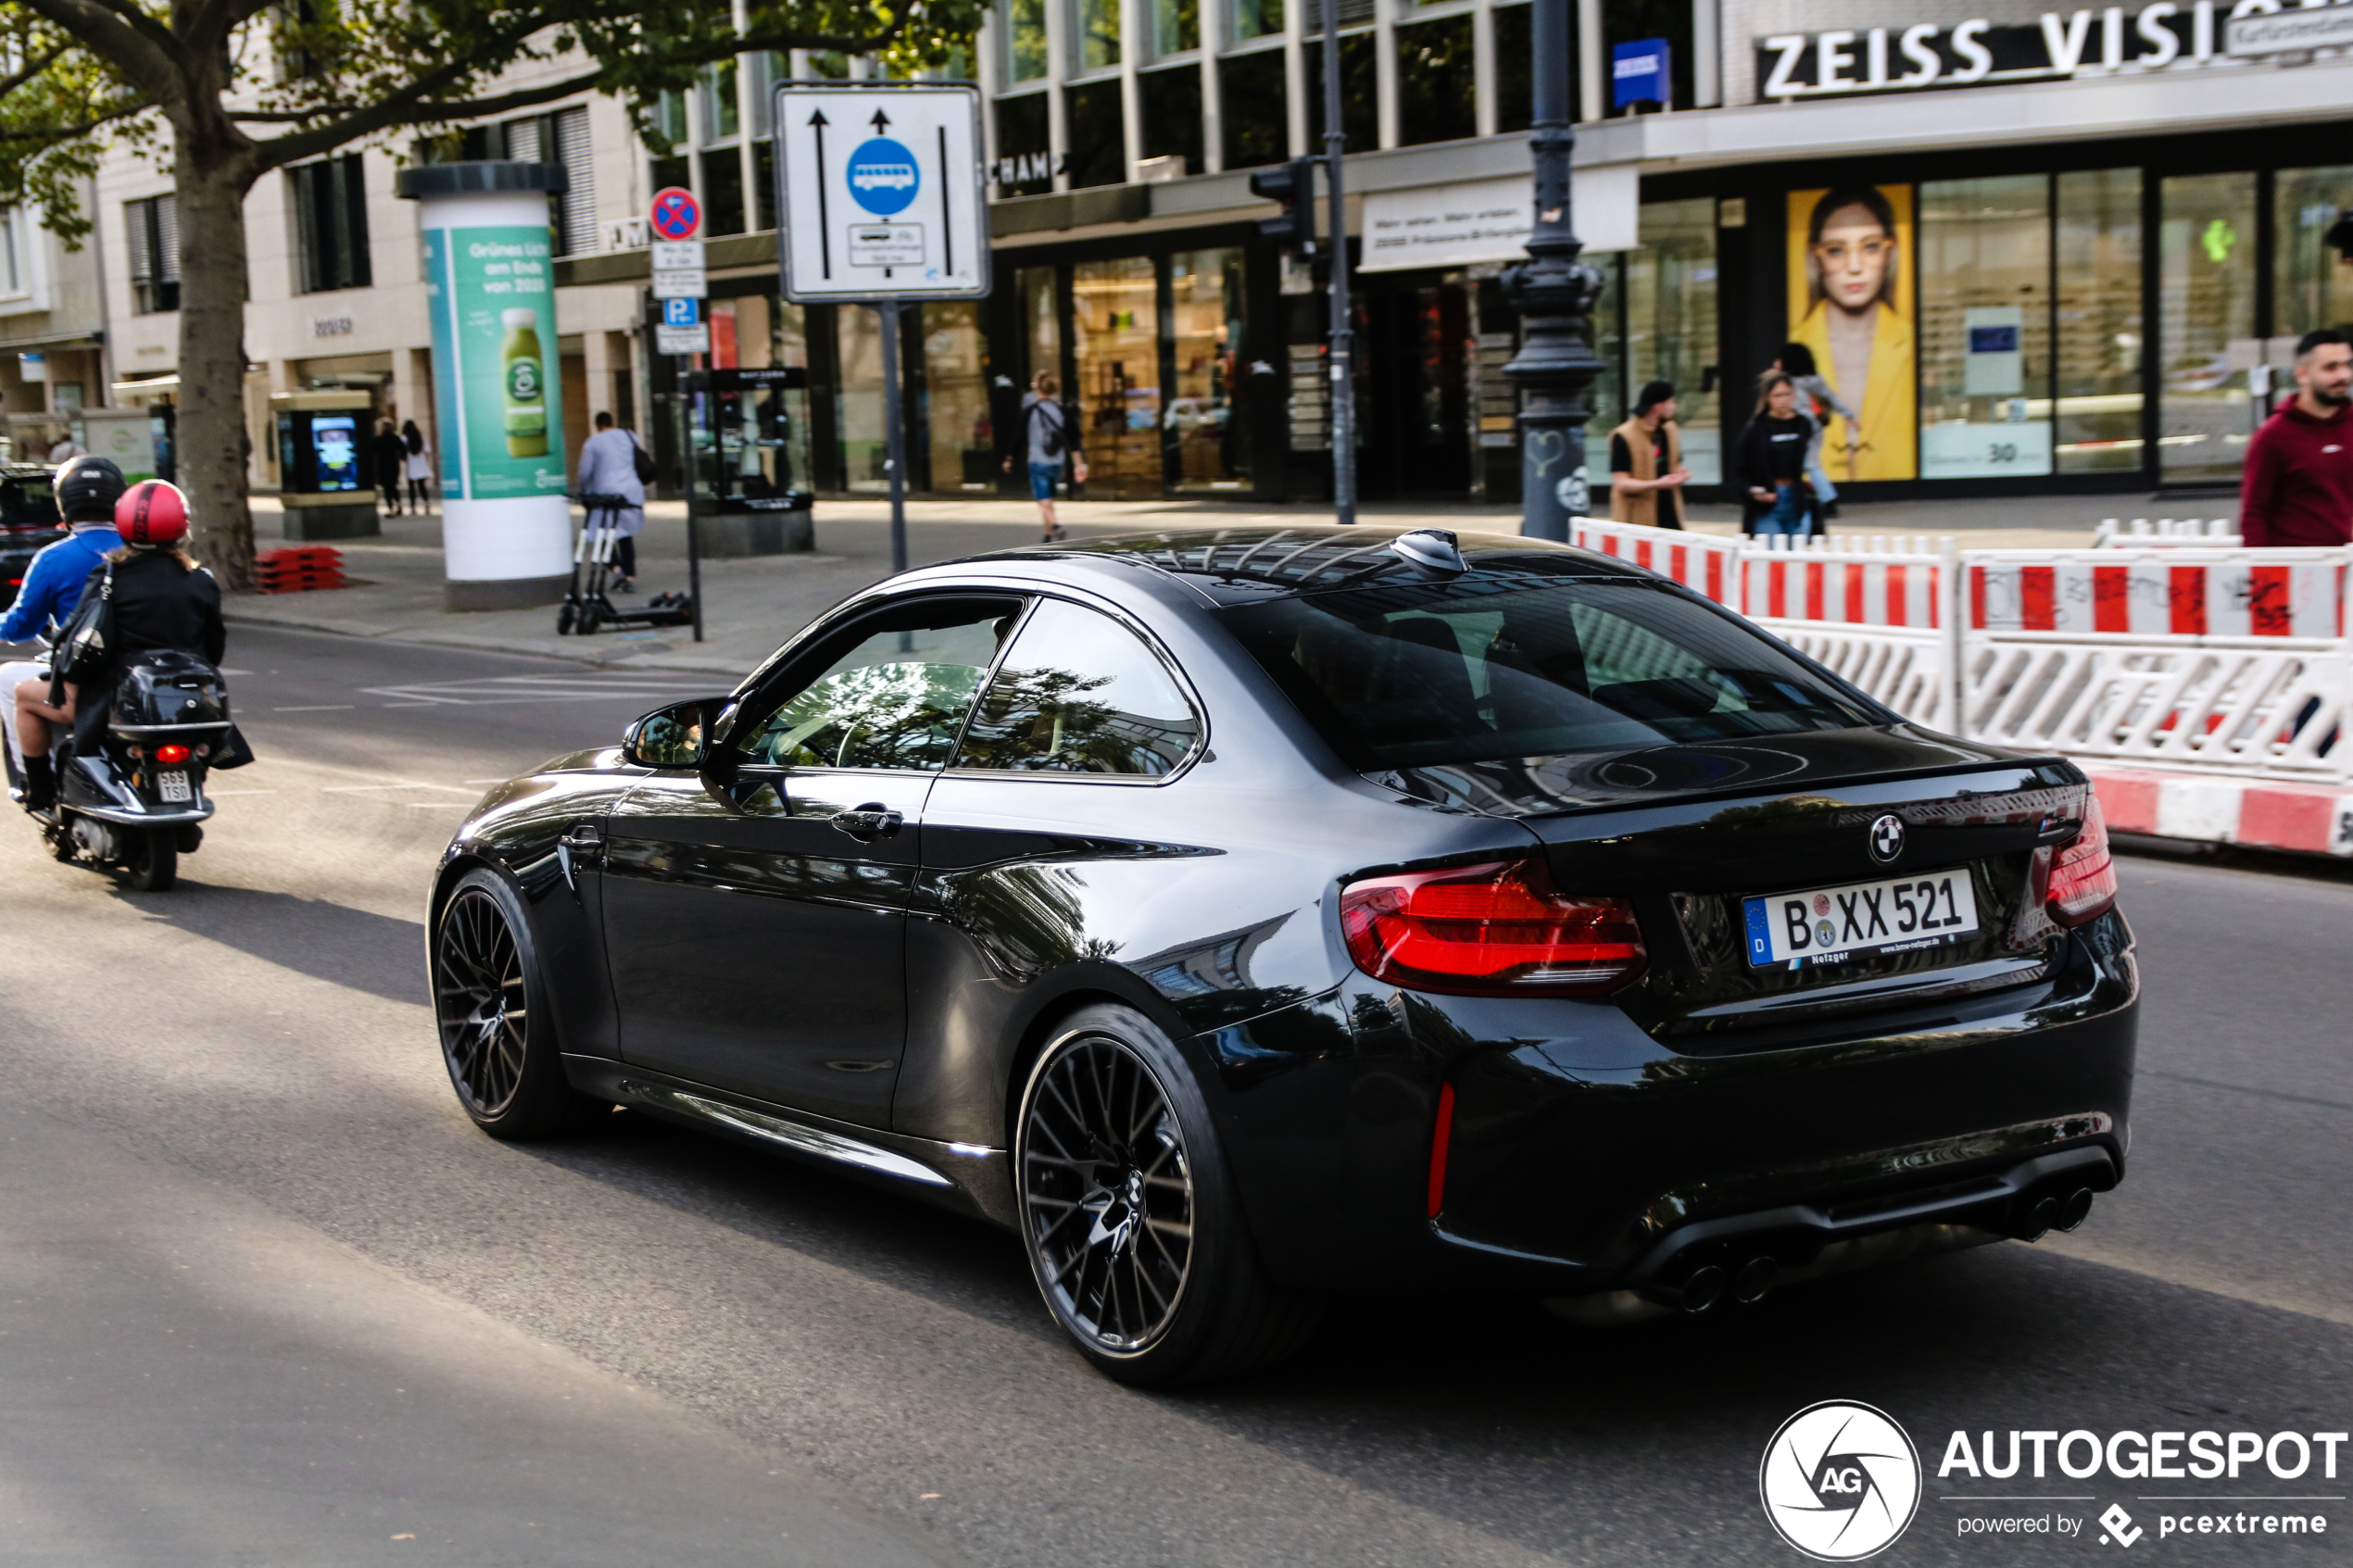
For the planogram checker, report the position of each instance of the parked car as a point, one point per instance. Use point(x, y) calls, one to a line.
point(1254, 917)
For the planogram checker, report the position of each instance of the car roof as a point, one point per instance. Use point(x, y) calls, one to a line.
point(1253, 563)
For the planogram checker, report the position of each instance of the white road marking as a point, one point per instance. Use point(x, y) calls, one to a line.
point(318, 708)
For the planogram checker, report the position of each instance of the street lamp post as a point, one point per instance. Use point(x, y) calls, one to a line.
point(1554, 292)
point(1342, 424)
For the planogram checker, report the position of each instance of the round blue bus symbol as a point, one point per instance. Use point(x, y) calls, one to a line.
point(883, 178)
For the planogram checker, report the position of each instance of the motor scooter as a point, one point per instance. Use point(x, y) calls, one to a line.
point(136, 802)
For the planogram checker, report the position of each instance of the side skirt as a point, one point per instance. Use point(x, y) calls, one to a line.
point(968, 1178)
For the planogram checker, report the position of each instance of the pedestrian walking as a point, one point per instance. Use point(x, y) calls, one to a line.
point(391, 455)
point(2298, 488)
point(1817, 402)
point(608, 467)
point(1772, 462)
point(1646, 471)
point(1047, 428)
point(417, 463)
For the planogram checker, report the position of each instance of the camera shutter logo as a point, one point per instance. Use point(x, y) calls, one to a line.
point(1840, 1481)
point(1887, 838)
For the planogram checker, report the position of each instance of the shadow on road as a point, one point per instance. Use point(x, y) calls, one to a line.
point(327, 941)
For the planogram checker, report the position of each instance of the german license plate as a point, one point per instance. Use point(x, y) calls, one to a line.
point(1828, 924)
point(174, 785)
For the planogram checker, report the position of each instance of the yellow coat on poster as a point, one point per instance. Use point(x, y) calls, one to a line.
point(1851, 301)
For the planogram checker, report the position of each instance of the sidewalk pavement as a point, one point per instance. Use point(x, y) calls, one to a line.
point(749, 606)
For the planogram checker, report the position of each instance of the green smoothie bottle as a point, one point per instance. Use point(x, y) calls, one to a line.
point(526, 384)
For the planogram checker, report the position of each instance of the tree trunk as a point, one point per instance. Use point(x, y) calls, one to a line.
point(213, 173)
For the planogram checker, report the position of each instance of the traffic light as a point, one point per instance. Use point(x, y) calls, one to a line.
point(1294, 185)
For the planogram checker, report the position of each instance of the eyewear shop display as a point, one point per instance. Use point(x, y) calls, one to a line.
point(1999, 327)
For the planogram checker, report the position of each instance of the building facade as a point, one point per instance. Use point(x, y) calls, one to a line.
point(2032, 250)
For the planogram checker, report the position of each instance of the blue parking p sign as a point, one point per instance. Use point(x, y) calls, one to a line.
point(681, 313)
point(1639, 73)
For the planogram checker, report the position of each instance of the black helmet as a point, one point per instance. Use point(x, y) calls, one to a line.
point(87, 489)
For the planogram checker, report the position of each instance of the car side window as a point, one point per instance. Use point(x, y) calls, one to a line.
point(894, 694)
point(1078, 693)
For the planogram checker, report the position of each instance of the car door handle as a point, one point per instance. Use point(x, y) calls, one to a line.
point(867, 822)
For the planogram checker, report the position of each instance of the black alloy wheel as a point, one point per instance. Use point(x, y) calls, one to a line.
point(491, 1008)
point(1130, 1217)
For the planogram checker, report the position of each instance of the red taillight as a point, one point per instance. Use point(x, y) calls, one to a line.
point(1490, 931)
point(2082, 876)
point(170, 754)
point(1438, 1142)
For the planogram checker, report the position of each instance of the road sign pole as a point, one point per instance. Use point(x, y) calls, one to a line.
point(894, 433)
point(694, 517)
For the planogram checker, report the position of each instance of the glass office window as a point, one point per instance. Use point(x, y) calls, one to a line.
point(1985, 327)
point(1097, 34)
point(1175, 26)
point(1097, 143)
point(2312, 288)
point(1204, 418)
point(1257, 18)
point(1670, 323)
point(2206, 299)
point(1025, 40)
point(1171, 114)
point(2100, 330)
point(1437, 83)
point(1257, 124)
point(1359, 92)
point(961, 439)
point(1022, 145)
point(719, 105)
point(1116, 322)
point(1514, 76)
point(722, 193)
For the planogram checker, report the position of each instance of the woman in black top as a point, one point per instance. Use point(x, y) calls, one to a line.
point(162, 598)
point(1772, 462)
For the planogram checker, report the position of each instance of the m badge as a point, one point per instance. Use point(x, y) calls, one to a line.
point(1887, 838)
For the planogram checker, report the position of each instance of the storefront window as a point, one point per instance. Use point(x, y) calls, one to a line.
point(1026, 40)
point(1607, 396)
point(1985, 327)
point(2206, 299)
point(858, 401)
point(1206, 291)
point(2099, 321)
point(1670, 324)
point(962, 442)
point(1115, 318)
point(2312, 288)
point(1041, 321)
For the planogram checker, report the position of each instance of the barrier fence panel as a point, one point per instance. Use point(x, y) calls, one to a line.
point(2207, 659)
point(2191, 654)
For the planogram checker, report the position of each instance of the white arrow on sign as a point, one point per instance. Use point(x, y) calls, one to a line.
point(882, 191)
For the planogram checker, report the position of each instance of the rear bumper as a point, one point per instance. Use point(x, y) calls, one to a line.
point(1586, 1157)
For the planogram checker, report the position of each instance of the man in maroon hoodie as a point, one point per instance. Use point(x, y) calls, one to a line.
point(2298, 487)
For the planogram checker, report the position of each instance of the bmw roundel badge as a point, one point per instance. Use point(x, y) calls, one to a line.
point(1887, 838)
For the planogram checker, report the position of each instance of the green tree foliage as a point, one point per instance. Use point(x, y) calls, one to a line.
point(228, 90)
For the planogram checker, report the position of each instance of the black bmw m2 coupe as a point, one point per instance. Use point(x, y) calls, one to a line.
point(1250, 916)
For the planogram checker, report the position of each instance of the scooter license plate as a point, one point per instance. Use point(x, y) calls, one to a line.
point(174, 785)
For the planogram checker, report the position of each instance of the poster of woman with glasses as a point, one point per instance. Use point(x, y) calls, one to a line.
point(1850, 301)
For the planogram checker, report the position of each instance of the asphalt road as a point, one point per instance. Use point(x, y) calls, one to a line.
point(266, 1297)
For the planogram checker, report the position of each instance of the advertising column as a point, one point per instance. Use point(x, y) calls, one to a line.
point(489, 268)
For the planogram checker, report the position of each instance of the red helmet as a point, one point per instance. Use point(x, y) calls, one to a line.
point(152, 512)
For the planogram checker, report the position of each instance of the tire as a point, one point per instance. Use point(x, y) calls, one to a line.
point(563, 621)
point(496, 1025)
point(1128, 1213)
point(154, 864)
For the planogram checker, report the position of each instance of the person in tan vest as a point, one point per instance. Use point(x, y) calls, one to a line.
point(1646, 471)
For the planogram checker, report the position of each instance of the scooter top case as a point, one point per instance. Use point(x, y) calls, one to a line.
point(163, 697)
point(167, 694)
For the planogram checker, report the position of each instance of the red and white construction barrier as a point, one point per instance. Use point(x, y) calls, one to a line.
point(2211, 685)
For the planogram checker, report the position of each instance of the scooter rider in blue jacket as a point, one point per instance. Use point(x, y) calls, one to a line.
point(87, 489)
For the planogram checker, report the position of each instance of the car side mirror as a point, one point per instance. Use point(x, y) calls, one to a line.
point(673, 737)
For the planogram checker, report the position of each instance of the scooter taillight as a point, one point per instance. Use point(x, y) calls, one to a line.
point(172, 755)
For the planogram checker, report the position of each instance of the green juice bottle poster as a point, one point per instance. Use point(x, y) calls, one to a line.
point(493, 300)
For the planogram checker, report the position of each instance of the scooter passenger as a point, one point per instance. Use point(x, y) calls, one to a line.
point(87, 489)
point(162, 599)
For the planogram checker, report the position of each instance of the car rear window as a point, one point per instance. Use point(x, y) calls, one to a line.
point(1429, 674)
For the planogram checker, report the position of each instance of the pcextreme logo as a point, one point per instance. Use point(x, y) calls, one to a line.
point(1840, 1481)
